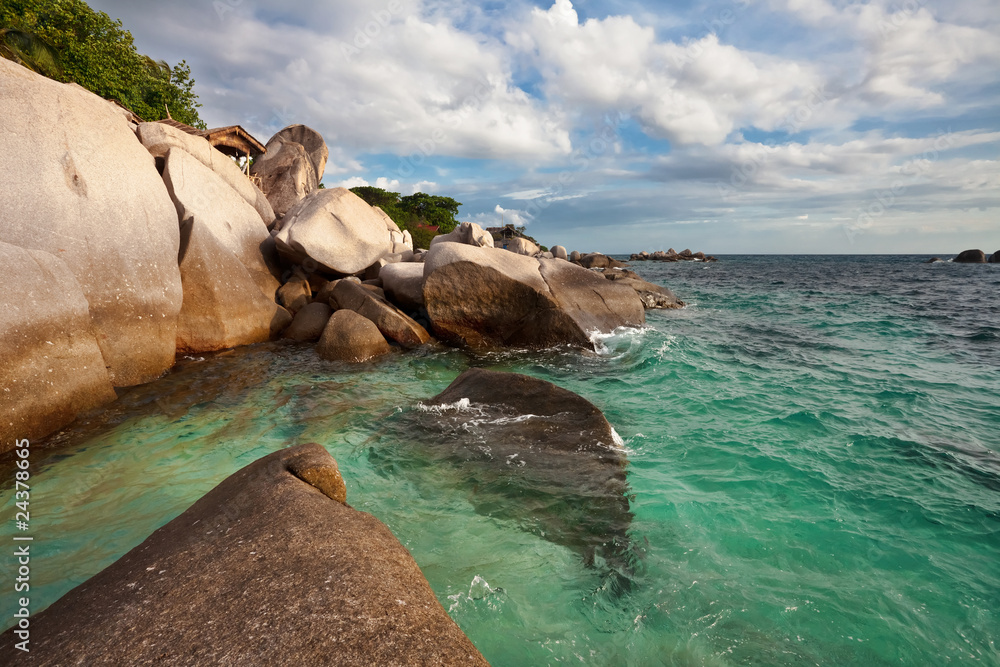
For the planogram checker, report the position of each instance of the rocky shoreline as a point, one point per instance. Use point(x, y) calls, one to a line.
point(129, 244)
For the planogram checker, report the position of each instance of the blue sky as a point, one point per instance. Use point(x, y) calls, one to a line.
point(786, 126)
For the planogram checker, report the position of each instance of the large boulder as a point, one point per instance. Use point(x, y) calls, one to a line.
point(467, 232)
point(351, 337)
point(995, 257)
point(271, 567)
point(286, 174)
point(77, 184)
point(51, 367)
point(223, 306)
point(309, 323)
point(554, 464)
point(310, 140)
point(337, 229)
point(559, 252)
point(486, 298)
point(159, 138)
point(596, 260)
point(200, 194)
point(971, 257)
point(520, 246)
point(392, 323)
point(401, 241)
point(404, 284)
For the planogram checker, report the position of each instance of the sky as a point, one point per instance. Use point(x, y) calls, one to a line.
point(730, 126)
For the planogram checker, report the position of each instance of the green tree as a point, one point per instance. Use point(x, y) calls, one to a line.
point(96, 52)
point(413, 211)
point(29, 50)
point(434, 210)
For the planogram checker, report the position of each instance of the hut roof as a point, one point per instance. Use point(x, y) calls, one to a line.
point(232, 140)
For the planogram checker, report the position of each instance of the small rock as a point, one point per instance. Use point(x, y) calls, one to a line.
point(295, 294)
point(350, 337)
point(309, 322)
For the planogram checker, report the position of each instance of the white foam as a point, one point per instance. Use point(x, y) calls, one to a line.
point(461, 405)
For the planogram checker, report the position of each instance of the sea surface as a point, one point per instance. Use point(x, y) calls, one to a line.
point(814, 447)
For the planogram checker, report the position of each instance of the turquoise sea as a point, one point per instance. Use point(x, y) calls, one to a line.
point(814, 448)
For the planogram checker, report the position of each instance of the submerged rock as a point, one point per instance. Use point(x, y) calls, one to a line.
point(532, 452)
point(487, 298)
point(271, 567)
point(970, 257)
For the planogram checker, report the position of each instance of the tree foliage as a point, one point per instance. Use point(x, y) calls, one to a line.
point(412, 211)
point(96, 52)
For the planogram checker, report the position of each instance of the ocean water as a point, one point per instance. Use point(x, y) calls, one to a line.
point(814, 472)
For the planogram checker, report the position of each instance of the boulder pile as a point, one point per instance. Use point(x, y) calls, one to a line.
point(672, 256)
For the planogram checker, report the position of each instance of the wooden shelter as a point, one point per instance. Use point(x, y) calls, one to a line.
point(232, 140)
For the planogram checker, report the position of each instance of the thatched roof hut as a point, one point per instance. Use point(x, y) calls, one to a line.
point(232, 140)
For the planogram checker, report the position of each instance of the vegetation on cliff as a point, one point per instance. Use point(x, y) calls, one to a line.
point(414, 212)
point(70, 42)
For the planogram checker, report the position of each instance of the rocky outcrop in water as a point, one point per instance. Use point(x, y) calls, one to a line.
point(271, 567)
point(671, 256)
point(995, 257)
point(654, 297)
point(392, 323)
point(487, 298)
point(970, 257)
point(532, 452)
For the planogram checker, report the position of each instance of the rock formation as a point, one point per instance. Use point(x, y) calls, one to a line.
point(351, 337)
point(335, 228)
point(654, 297)
point(404, 284)
point(970, 257)
point(271, 567)
point(292, 167)
point(309, 323)
point(487, 298)
point(521, 246)
point(79, 186)
point(467, 232)
point(392, 323)
point(559, 252)
point(995, 257)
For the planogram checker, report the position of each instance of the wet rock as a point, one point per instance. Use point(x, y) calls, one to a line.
point(78, 185)
point(654, 297)
point(485, 298)
point(970, 257)
point(350, 337)
point(51, 367)
point(271, 567)
point(392, 323)
point(309, 323)
point(532, 452)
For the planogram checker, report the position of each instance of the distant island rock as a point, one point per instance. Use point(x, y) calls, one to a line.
point(970, 257)
point(672, 255)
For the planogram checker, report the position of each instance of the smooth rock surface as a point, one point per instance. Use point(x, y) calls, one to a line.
point(269, 568)
point(970, 257)
point(295, 294)
point(337, 229)
point(404, 284)
point(223, 306)
point(51, 368)
point(520, 246)
point(559, 252)
point(467, 232)
point(487, 298)
point(77, 184)
point(159, 139)
point(199, 193)
point(351, 337)
point(309, 322)
point(311, 142)
point(392, 323)
point(995, 257)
